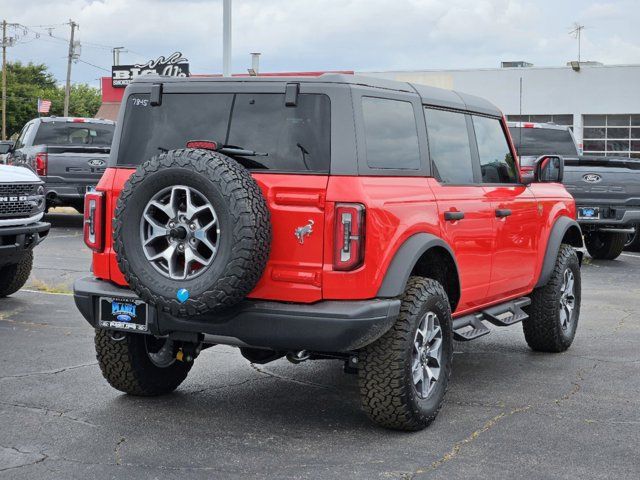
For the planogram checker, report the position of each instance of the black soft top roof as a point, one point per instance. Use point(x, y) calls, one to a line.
point(436, 97)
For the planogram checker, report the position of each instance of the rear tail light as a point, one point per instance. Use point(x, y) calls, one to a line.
point(94, 220)
point(349, 236)
point(42, 161)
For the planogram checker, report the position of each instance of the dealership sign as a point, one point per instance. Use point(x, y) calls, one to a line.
point(173, 66)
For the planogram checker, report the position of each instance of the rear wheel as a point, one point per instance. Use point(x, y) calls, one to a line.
point(14, 276)
point(633, 240)
point(605, 245)
point(139, 364)
point(403, 376)
point(555, 307)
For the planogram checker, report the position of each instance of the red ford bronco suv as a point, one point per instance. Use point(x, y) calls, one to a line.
point(332, 217)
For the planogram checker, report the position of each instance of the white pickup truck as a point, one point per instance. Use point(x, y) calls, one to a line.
point(22, 204)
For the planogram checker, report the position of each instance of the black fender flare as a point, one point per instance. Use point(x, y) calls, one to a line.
point(406, 257)
point(558, 232)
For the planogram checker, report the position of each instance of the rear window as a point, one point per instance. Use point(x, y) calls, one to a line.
point(294, 139)
point(74, 133)
point(533, 142)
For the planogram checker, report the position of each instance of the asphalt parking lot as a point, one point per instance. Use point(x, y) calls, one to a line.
point(510, 413)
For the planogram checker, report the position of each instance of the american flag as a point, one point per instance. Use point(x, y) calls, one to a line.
point(44, 106)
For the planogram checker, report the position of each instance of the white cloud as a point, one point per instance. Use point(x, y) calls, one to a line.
point(333, 34)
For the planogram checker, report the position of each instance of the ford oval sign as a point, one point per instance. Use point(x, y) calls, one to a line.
point(96, 162)
point(591, 177)
point(123, 317)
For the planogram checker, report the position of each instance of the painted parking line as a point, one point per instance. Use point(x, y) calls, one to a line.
point(633, 255)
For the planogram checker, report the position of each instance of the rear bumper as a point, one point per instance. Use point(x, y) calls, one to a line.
point(60, 193)
point(16, 240)
point(613, 217)
point(327, 326)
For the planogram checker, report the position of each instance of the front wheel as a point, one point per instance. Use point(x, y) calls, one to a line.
point(139, 364)
point(14, 276)
point(605, 245)
point(403, 376)
point(555, 307)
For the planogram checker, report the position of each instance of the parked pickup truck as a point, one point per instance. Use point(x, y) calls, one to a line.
point(69, 155)
point(606, 189)
point(22, 204)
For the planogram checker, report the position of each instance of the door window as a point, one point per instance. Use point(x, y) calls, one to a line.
point(391, 134)
point(496, 161)
point(449, 146)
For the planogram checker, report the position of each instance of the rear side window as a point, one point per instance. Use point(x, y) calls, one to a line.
point(496, 162)
point(533, 142)
point(391, 134)
point(449, 146)
point(74, 133)
point(295, 139)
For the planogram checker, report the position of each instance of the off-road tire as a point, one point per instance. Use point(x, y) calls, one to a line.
point(543, 330)
point(14, 276)
point(387, 391)
point(633, 240)
point(78, 205)
point(605, 245)
point(245, 231)
point(126, 365)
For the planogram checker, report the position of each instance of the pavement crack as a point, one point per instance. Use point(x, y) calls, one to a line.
point(42, 458)
point(116, 450)
point(458, 446)
point(48, 411)
point(577, 386)
point(288, 379)
point(228, 385)
point(49, 372)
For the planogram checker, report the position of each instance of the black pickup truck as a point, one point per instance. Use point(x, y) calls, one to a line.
point(68, 154)
point(606, 189)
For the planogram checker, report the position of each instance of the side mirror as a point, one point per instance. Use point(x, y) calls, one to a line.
point(547, 169)
point(5, 147)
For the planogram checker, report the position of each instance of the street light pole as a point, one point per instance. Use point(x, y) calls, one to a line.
point(226, 38)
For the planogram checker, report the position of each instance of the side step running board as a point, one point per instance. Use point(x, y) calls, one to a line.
point(471, 326)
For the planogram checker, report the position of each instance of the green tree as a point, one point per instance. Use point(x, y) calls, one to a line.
point(27, 83)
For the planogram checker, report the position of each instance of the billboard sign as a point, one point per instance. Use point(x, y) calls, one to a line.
point(175, 65)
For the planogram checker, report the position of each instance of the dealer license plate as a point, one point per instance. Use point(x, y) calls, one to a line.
point(588, 213)
point(123, 314)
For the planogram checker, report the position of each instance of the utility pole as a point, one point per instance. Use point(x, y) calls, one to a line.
point(4, 79)
point(226, 38)
point(67, 88)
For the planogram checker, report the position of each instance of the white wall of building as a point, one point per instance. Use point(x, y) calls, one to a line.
point(593, 90)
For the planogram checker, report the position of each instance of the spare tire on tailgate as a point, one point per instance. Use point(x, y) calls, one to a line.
point(191, 232)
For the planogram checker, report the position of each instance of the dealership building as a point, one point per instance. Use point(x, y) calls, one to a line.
point(601, 103)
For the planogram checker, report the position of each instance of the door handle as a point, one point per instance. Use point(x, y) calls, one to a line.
point(453, 216)
point(503, 212)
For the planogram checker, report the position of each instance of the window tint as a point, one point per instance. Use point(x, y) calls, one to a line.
point(496, 162)
point(296, 139)
point(533, 142)
point(391, 134)
point(449, 146)
point(67, 133)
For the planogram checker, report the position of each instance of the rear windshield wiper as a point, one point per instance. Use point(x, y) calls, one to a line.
point(241, 152)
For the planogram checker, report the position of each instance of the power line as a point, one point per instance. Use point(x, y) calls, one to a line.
point(96, 66)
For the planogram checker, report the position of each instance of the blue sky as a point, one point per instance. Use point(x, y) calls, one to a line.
point(299, 35)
